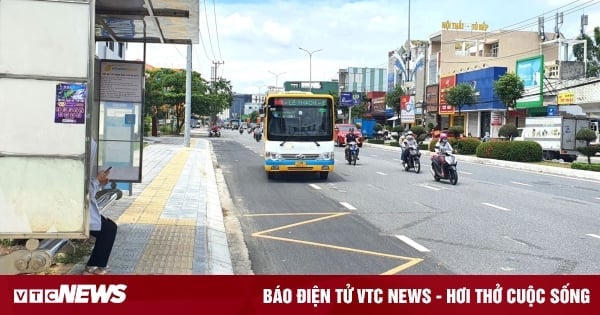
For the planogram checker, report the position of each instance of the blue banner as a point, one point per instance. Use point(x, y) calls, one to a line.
point(349, 99)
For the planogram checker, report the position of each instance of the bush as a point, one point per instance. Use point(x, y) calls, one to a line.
point(585, 166)
point(432, 144)
point(586, 134)
point(377, 127)
point(519, 151)
point(589, 151)
point(466, 145)
point(395, 144)
point(456, 131)
point(418, 131)
point(508, 131)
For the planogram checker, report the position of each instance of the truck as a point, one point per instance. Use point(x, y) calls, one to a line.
point(556, 135)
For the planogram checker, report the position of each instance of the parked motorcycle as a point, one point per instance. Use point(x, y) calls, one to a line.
point(413, 159)
point(449, 168)
point(352, 155)
point(214, 132)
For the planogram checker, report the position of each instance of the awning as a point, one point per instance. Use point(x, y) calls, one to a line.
point(152, 21)
point(393, 118)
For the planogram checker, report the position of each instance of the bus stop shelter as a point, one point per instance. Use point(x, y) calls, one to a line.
point(54, 100)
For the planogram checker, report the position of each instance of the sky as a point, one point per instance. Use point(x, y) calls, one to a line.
point(257, 42)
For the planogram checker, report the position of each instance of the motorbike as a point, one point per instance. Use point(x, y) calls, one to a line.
point(413, 159)
point(449, 170)
point(257, 136)
point(214, 132)
point(241, 131)
point(352, 155)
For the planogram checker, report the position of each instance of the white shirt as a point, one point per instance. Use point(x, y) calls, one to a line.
point(95, 219)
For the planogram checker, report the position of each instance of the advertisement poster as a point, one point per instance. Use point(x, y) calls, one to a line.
point(445, 84)
point(349, 99)
point(407, 109)
point(531, 72)
point(70, 103)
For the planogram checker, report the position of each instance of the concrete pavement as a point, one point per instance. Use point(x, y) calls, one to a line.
point(173, 222)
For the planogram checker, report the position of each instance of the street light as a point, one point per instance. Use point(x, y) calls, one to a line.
point(310, 64)
point(276, 76)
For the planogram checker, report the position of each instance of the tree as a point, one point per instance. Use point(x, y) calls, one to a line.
point(509, 88)
point(509, 131)
point(593, 52)
point(459, 95)
point(165, 90)
point(588, 135)
point(392, 99)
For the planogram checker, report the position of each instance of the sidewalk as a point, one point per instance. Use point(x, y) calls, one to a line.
point(172, 223)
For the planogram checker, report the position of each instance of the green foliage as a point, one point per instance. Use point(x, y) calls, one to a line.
point(508, 131)
point(456, 131)
point(518, 151)
point(509, 88)
point(593, 52)
point(398, 130)
point(586, 167)
point(378, 127)
point(392, 99)
point(586, 134)
point(466, 146)
point(589, 151)
point(395, 144)
point(432, 144)
point(461, 94)
point(418, 130)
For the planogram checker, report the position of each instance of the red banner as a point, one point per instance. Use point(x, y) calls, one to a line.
point(302, 294)
point(446, 83)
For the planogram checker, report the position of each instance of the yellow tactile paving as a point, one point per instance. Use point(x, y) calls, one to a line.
point(170, 248)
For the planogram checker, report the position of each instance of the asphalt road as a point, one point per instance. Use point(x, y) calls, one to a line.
point(375, 218)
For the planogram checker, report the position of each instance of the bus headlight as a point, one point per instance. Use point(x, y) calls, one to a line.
point(326, 156)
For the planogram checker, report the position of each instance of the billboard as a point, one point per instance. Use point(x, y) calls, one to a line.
point(407, 109)
point(531, 72)
point(349, 99)
point(446, 83)
point(432, 98)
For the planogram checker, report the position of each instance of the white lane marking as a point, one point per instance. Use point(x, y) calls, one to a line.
point(523, 184)
point(430, 187)
point(314, 186)
point(518, 242)
point(412, 243)
point(593, 235)
point(381, 173)
point(597, 198)
point(466, 173)
point(347, 205)
point(494, 206)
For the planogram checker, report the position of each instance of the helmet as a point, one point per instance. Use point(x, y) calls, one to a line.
point(409, 133)
point(443, 137)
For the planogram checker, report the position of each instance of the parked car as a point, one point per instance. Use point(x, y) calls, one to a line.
point(340, 133)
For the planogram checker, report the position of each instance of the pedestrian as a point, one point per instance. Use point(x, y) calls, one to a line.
point(103, 229)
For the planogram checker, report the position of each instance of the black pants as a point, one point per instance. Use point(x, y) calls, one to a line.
point(105, 238)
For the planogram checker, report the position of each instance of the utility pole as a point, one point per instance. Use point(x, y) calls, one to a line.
point(215, 69)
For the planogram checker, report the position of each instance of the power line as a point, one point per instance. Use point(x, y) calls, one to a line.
point(208, 32)
point(217, 30)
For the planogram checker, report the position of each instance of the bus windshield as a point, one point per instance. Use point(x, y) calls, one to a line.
point(304, 119)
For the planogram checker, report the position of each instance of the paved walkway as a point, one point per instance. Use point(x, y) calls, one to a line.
point(172, 223)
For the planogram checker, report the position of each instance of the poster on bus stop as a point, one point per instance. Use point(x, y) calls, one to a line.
point(70, 103)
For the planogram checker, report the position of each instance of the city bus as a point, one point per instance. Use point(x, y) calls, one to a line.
point(298, 133)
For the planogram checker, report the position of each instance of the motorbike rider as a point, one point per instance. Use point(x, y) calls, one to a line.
point(408, 142)
point(258, 132)
point(441, 147)
point(351, 137)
